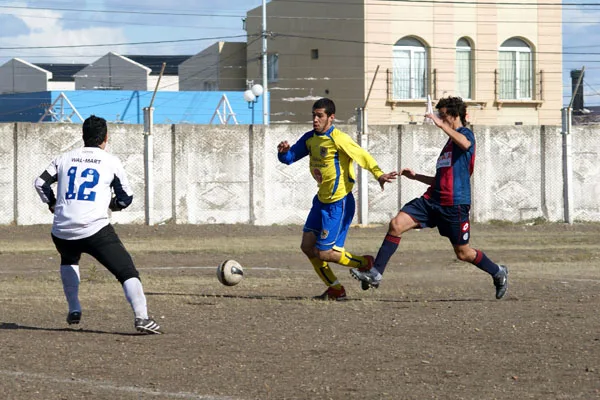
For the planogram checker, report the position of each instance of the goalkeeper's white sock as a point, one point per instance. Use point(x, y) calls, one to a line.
point(69, 274)
point(134, 292)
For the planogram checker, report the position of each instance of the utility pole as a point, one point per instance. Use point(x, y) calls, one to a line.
point(264, 64)
point(568, 203)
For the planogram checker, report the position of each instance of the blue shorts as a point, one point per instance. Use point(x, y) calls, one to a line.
point(451, 221)
point(330, 222)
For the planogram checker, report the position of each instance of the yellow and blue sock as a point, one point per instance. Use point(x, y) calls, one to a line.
point(352, 261)
point(325, 273)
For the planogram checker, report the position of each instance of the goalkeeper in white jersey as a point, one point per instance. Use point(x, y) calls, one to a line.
point(89, 182)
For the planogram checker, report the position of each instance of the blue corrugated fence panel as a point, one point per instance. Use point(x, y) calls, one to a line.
point(24, 107)
point(126, 106)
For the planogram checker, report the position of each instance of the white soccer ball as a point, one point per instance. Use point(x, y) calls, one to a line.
point(230, 272)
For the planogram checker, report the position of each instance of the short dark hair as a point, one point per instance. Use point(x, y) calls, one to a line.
point(455, 107)
point(94, 131)
point(325, 103)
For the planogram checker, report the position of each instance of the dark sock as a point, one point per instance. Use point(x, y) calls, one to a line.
point(387, 249)
point(484, 263)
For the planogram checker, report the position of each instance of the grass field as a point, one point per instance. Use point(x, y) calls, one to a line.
point(432, 331)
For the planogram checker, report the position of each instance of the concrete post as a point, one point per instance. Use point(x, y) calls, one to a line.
point(567, 165)
point(148, 166)
point(363, 175)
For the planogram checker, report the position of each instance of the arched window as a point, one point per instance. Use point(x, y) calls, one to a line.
point(464, 69)
point(409, 70)
point(516, 70)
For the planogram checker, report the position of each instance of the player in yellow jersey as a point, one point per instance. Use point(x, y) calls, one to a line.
point(331, 154)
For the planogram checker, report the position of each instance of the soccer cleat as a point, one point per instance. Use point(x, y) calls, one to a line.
point(366, 278)
point(501, 281)
point(365, 275)
point(148, 326)
point(74, 317)
point(370, 262)
point(332, 294)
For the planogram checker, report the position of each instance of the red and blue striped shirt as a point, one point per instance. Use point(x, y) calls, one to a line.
point(453, 173)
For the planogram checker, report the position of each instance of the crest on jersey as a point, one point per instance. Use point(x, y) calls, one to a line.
point(324, 234)
point(317, 175)
point(445, 160)
point(322, 151)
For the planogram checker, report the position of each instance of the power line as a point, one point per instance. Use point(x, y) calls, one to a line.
point(212, 15)
point(167, 13)
point(315, 18)
point(122, 44)
point(594, 90)
point(479, 3)
point(120, 23)
point(361, 3)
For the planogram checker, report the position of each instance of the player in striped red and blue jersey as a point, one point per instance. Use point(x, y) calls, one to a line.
point(446, 203)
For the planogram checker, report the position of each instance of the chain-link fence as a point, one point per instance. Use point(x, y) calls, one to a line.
point(205, 174)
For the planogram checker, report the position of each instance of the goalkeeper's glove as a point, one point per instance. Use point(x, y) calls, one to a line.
point(115, 205)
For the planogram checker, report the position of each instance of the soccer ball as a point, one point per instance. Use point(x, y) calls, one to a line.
point(230, 272)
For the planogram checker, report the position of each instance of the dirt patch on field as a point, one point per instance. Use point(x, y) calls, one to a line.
point(432, 331)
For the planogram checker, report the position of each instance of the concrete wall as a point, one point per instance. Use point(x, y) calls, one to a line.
point(230, 174)
point(7, 173)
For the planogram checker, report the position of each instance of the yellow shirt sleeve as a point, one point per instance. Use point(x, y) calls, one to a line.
point(356, 153)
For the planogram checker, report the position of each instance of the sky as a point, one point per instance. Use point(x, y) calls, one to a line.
point(41, 31)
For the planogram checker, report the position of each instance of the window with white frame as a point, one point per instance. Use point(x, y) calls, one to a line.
point(464, 69)
point(409, 70)
point(515, 70)
point(272, 67)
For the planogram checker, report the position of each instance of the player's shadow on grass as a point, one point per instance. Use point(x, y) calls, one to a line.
point(13, 326)
point(296, 298)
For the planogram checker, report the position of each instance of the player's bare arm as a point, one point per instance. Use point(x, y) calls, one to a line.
point(387, 178)
point(410, 174)
point(449, 124)
point(457, 137)
point(283, 147)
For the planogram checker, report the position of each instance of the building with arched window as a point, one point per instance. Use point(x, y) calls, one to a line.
point(503, 59)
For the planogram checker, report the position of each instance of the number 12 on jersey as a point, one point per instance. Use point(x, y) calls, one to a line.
point(87, 184)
